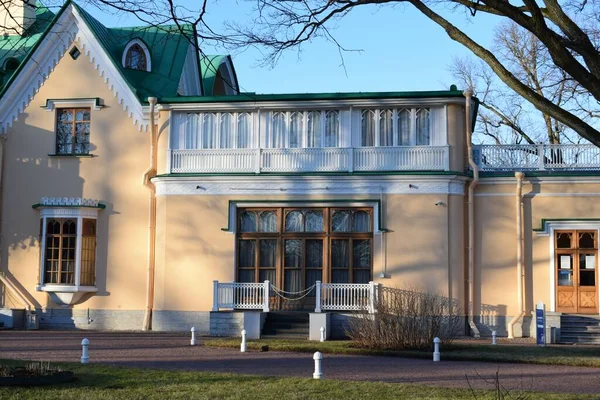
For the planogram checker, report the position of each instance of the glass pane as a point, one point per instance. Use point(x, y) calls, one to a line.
point(293, 280)
point(268, 221)
point(248, 221)
point(314, 221)
point(312, 276)
point(65, 116)
point(53, 227)
point(266, 275)
point(246, 275)
point(314, 129)
point(565, 278)
point(314, 254)
point(226, 131)
point(209, 131)
point(89, 227)
point(362, 254)
point(586, 240)
point(587, 278)
point(294, 221)
point(423, 128)
point(293, 254)
point(246, 253)
point(386, 128)
point(362, 276)
point(332, 129)
point(563, 240)
point(339, 276)
point(340, 254)
point(296, 120)
point(340, 221)
point(82, 115)
point(70, 227)
point(587, 261)
point(278, 130)
point(244, 131)
point(368, 128)
point(362, 222)
point(404, 127)
point(268, 253)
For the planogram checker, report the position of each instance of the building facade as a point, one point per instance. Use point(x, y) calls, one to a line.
point(138, 183)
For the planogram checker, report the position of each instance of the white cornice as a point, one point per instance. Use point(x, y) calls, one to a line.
point(311, 104)
point(68, 28)
point(288, 185)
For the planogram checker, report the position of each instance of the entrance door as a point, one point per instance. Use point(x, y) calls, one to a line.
point(575, 255)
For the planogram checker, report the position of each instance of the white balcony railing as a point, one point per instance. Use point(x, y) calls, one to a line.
point(537, 157)
point(326, 159)
point(328, 296)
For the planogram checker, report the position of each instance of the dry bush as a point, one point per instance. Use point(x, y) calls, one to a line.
point(406, 319)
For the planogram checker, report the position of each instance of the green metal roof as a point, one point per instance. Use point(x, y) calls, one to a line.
point(253, 97)
point(209, 66)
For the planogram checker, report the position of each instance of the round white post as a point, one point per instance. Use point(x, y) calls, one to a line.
point(318, 357)
point(193, 341)
point(322, 334)
point(85, 344)
point(494, 337)
point(243, 345)
point(436, 349)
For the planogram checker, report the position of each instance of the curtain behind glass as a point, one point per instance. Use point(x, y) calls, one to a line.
point(244, 131)
point(226, 138)
point(340, 260)
point(267, 259)
point(248, 221)
point(423, 127)
point(386, 128)
point(278, 130)
point(296, 122)
point(404, 127)
point(246, 260)
point(332, 129)
point(294, 221)
point(340, 221)
point(313, 125)
point(314, 221)
point(293, 265)
point(268, 221)
point(361, 222)
point(368, 128)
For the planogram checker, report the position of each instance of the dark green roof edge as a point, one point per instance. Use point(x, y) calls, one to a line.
point(312, 96)
point(340, 201)
point(34, 48)
point(547, 220)
point(38, 205)
point(356, 173)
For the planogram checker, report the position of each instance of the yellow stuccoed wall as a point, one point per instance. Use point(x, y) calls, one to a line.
point(114, 176)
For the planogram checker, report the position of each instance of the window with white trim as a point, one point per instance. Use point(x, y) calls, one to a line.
point(396, 127)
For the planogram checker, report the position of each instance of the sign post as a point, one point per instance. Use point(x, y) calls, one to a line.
point(540, 324)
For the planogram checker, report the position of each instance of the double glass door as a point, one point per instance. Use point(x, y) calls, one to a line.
point(576, 256)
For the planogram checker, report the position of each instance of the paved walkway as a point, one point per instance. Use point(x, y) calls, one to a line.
point(172, 351)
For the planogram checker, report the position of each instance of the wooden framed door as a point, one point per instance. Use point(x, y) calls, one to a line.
point(576, 259)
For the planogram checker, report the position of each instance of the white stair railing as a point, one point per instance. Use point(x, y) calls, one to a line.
point(346, 297)
point(238, 295)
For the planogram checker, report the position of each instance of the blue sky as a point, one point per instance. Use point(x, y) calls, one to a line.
point(400, 50)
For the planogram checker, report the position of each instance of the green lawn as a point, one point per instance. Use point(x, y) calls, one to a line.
point(586, 356)
point(101, 382)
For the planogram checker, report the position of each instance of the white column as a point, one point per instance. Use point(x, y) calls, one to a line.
point(78, 251)
point(541, 161)
point(266, 296)
point(318, 296)
point(371, 297)
point(215, 296)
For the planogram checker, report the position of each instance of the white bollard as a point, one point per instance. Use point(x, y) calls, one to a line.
point(322, 334)
point(243, 345)
point(193, 341)
point(493, 337)
point(318, 357)
point(436, 349)
point(84, 351)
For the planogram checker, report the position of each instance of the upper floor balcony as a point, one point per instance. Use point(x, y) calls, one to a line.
point(307, 138)
point(541, 157)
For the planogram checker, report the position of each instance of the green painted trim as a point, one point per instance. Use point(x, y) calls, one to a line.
point(38, 205)
point(73, 155)
point(251, 97)
point(34, 48)
point(96, 101)
point(341, 201)
point(545, 221)
point(359, 173)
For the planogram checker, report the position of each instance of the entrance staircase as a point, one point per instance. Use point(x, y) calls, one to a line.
point(286, 325)
point(580, 329)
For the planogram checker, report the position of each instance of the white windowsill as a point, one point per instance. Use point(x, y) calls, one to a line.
point(66, 295)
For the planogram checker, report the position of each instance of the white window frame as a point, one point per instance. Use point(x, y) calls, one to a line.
point(144, 49)
point(395, 111)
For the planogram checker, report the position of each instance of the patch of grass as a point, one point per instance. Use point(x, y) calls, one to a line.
point(105, 383)
point(576, 356)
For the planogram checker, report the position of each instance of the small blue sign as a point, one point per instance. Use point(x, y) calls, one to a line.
point(540, 325)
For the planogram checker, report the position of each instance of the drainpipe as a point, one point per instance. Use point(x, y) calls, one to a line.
point(520, 269)
point(148, 175)
point(471, 216)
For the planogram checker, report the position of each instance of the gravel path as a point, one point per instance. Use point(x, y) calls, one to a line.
point(172, 351)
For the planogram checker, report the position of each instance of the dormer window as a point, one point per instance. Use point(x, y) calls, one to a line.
point(136, 56)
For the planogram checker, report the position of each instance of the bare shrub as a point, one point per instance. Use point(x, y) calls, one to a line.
point(406, 319)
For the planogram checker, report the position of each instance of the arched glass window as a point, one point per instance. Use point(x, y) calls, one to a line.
point(368, 128)
point(268, 221)
point(294, 222)
point(332, 129)
point(386, 128)
point(404, 127)
point(226, 131)
point(423, 127)
point(296, 120)
point(136, 58)
point(313, 129)
point(248, 221)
